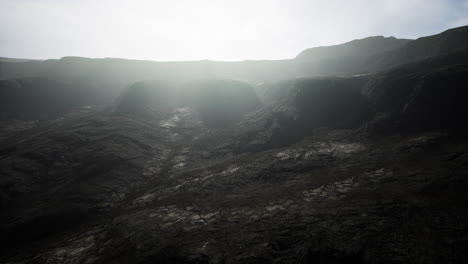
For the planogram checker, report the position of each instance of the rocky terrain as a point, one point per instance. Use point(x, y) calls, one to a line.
point(344, 169)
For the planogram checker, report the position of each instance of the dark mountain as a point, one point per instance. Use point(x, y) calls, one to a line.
point(356, 48)
point(160, 96)
point(362, 56)
point(429, 95)
point(450, 41)
point(347, 58)
point(39, 98)
point(304, 105)
point(122, 72)
point(3, 59)
point(357, 56)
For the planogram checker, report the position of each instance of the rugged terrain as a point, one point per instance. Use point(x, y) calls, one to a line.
point(344, 169)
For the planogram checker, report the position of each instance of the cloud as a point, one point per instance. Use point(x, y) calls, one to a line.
point(210, 29)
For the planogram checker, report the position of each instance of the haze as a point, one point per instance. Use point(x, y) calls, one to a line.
point(204, 29)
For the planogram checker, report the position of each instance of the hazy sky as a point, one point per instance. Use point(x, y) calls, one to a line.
point(210, 29)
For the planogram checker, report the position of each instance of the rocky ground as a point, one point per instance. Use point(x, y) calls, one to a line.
point(335, 196)
point(368, 169)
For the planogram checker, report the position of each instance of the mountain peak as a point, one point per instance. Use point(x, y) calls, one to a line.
point(358, 47)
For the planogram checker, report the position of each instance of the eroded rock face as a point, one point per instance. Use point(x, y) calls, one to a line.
point(434, 99)
point(44, 99)
point(336, 103)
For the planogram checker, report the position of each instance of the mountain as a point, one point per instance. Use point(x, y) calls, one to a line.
point(43, 99)
point(450, 41)
point(356, 48)
point(122, 72)
point(3, 59)
point(427, 95)
point(362, 56)
point(182, 168)
point(345, 58)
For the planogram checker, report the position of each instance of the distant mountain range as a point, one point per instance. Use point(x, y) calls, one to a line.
point(3, 59)
point(104, 79)
point(355, 57)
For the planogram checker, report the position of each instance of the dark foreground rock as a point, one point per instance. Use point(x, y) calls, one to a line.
point(303, 106)
point(432, 99)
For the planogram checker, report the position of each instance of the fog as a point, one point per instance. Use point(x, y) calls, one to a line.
point(220, 132)
point(215, 30)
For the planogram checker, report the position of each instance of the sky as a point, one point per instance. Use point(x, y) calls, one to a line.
point(174, 30)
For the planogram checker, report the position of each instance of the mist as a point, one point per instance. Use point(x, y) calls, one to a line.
point(222, 132)
point(214, 30)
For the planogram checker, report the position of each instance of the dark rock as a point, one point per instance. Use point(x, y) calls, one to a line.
point(311, 103)
point(433, 99)
point(44, 99)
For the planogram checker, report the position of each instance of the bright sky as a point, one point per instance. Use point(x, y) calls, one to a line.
point(210, 29)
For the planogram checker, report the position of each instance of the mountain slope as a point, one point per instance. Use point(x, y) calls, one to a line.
point(450, 41)
point(347, 58)
point(43, 99)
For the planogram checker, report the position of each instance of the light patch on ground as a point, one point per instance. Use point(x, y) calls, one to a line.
point(320, 148)
point(175, 119)
point(179, 162)
point(232, 169)
point(171, 122)
point(348, 147)
point(289, 154)
point(148, 197)
point(339, 189)
point(75, 251)
point(195, 180)
point(171, 214)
